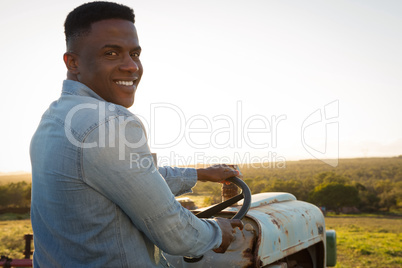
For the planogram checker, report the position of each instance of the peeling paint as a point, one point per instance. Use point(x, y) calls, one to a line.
point(274, 228)
point(276, 223)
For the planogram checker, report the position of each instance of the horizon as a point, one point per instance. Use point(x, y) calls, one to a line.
point(23, 172)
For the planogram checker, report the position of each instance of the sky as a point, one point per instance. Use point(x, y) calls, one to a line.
point(228, 81)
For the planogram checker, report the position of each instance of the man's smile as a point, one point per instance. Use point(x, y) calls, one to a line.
point(124, 83)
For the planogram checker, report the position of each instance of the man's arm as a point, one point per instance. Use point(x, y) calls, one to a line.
point(216, 173)
point(181, 180)
point(219, 173)
point(141, 192)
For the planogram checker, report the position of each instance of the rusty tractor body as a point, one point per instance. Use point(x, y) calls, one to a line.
point(279, 231)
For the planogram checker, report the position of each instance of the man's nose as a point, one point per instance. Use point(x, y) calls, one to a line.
point(130, 65)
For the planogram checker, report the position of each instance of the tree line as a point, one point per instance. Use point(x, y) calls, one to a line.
point(15, 196)
point(367, 184)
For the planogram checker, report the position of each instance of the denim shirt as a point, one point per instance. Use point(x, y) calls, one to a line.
point(98, 200)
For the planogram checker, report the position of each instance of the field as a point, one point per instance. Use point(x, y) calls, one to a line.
point(368, 241)
point(12, 233)
point(362, 241)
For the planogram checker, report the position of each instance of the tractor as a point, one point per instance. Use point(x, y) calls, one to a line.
point(279, 232)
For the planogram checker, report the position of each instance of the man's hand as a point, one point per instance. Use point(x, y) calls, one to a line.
point(227, 227)
point(216, 173)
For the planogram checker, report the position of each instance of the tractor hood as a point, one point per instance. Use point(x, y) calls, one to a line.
point(276, 226)
point(285, 225)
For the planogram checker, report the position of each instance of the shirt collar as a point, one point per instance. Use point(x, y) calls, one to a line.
point(72, 87)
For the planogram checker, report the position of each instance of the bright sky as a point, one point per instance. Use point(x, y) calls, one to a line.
point(226, 80)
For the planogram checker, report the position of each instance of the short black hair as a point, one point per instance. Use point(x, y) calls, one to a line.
point(78, 22)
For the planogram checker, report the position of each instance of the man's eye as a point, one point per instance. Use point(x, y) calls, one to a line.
point(135, 54)
point(111, 53)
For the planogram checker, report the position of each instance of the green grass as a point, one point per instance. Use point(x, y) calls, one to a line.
point(362, 240)
point(367, 241)
point(12, 243)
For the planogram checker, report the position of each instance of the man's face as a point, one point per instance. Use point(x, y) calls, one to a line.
point(108, 61)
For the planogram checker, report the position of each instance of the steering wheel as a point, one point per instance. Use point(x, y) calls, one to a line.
point(246, 194)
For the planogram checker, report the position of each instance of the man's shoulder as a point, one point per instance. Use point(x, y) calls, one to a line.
point(87, 111)
point(79, 100)
point(82, 114)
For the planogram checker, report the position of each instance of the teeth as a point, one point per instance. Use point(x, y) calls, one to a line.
point(125, 83)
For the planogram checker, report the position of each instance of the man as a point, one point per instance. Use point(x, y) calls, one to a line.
point(98, 200)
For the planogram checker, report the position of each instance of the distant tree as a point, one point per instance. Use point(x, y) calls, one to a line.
point(330, 176)
point(292, 186)
point(257, 187)
point(388, 194)
point(335, 195)
point(388, 200)
point(384, 186)
point(16, 195)
point(3, 196)
point(369, 200)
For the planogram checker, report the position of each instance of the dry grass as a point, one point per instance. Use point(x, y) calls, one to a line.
point(368, 241)
point(362, 241)
point(12, 233)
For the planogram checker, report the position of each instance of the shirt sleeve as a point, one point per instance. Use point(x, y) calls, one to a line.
point(124, 172)
point(179, 180)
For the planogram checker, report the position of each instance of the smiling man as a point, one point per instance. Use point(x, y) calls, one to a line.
point(92, 206)
point(107, 60)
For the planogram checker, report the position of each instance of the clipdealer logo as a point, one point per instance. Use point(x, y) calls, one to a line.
point(220, 132)
point(237, 130)
point(320, 134)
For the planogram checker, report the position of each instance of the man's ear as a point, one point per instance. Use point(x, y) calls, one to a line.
point(71, 61)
